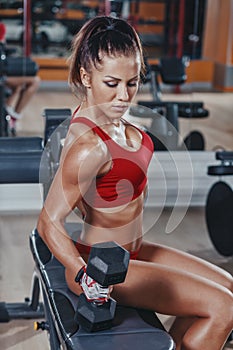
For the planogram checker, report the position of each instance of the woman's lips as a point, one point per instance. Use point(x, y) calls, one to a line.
point(120, 108)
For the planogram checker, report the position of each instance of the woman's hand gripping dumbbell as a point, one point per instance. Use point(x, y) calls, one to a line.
point(93, 291)
point(107, 265)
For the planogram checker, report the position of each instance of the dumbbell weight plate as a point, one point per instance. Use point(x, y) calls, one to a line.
point(219, 209)
point(94, 317)
point(108, 263)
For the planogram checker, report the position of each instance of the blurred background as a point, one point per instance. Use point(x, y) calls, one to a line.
point(199, 31)
point(166, 27)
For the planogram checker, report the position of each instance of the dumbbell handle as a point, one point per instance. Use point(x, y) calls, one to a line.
point(93, 291)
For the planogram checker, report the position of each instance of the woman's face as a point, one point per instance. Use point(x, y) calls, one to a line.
point(113, 85)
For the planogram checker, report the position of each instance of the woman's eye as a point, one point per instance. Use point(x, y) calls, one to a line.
point(114, 84)
point(111, 84)
point(133, 83)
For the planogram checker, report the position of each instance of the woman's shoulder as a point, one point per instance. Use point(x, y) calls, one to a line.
point(82, 140)
point(79, 129)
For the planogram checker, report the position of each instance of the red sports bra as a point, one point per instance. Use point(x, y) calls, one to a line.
point(127, 177)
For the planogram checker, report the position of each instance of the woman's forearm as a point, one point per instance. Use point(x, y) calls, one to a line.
point(59, 243)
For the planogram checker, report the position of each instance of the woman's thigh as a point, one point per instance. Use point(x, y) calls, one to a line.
point(169, 290)
point(17, 81)
point(174, 258)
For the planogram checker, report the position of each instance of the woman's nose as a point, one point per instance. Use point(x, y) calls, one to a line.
point(122, 93)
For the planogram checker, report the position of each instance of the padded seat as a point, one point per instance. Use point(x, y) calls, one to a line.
point(20, 159)
point(173, 70)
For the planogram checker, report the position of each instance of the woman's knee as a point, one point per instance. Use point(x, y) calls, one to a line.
point(37, 81)
point(222, 311)
point(213, 327)
point(34, 83)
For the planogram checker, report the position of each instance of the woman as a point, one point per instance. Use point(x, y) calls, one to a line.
point(103, 173)
point(22, 90)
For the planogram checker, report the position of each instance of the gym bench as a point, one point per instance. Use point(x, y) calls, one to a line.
point(132, 328)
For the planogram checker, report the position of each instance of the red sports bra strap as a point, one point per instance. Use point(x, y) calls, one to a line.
point(101, 133)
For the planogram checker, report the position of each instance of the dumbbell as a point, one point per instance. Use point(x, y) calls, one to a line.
point(107, 264)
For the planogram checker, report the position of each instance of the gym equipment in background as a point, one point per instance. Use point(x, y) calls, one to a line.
point(20, 66)
point(20, 163)
point(133, 328)
point(55, 128)
point(11, 66)
point(219, 205)
point(164, 128)
point(26, 152)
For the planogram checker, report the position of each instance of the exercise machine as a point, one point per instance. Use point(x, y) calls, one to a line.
point(219, 204)
point(32, 160)
point(164, 129)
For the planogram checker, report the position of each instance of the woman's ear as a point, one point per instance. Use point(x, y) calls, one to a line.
point(85, 77)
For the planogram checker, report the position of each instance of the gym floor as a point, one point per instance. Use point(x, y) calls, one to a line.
point(16, 263)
